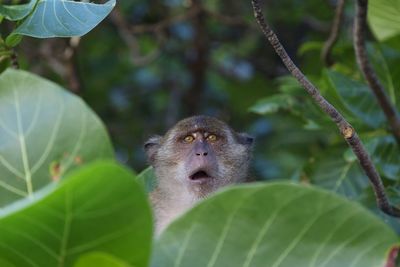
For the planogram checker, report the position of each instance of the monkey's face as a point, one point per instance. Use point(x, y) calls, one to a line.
point(200, 154)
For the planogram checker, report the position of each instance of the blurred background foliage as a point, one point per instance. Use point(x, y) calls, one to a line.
point(151, 63)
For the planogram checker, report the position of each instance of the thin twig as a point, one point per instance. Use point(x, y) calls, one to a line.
point(130, 40)
point(227, 20)
point(369, 73)
point(345, 128)
point(162, 25)
point(326, 54)
point(191, 13)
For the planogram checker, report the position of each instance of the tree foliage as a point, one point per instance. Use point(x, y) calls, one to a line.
point(64, 201)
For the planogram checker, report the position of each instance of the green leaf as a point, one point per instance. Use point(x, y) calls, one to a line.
point(275, 225)
point(357, 98)
point(64, 18)
point(17, 12)
point(98, 208)
point(272, 104)
point(147, 179)
point(99, 259)
point(344, 177)
point(384, 18)
point(45, 131)
point(382, 69)
point(13, 40)
point(4, 263)
point(309, 47)
point(384, 152)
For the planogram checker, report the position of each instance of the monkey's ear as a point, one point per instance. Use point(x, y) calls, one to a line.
point(245, 139)
point(151, 146)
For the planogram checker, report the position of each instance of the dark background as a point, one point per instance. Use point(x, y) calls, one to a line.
point(151, 63)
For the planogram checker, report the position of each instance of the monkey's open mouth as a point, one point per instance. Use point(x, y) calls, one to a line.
point(200, 176)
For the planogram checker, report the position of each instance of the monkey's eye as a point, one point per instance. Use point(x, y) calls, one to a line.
point(188, 139)
point(212, 137)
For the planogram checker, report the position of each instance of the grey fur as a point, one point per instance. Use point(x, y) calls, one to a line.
point(174, 195)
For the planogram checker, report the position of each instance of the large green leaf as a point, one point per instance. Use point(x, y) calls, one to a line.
point(99, 208)
point(384, 18)
point(44, 132)
point(63, 18)
point(275, 225)
point(100, 259)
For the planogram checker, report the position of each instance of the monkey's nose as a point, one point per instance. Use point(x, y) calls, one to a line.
point(202, 154)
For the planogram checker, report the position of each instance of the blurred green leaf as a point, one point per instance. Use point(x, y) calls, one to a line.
point(44, 132)
point(17, 12)
point(272, 104)
point(147, 179)
point(385, 154)
point(335, 172)
point(4, 263)
point(98, 208)
point(13, 40)
point(275, 225)
point(357, 98)
point(384, 18)
point(63, 18)
point(382, 70)
point(310, 46)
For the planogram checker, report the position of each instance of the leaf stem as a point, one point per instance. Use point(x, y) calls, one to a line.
point(24, 153)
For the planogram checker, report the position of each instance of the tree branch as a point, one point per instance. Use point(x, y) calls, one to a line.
point(345, 128)
point(369, 73)
point(326, 55)
point(162, 25)
point(130, 40)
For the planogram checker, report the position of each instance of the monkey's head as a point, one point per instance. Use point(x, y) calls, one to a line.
point(199, 154)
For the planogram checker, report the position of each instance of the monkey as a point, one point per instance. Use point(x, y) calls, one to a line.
point(196, 157)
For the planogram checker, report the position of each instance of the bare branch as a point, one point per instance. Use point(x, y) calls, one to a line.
point(326, 55)
point(369, 73)
point(227, 20)
point(192, 12)
point(128, 37)
point(162, 25)
point(345, 128)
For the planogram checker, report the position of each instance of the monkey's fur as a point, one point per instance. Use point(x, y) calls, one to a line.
point(190, 163)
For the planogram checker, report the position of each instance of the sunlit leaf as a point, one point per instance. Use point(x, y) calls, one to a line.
point(384, 18)
point(98, 208)
point(64, 18)
point(44, 132)
point(275, 225)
